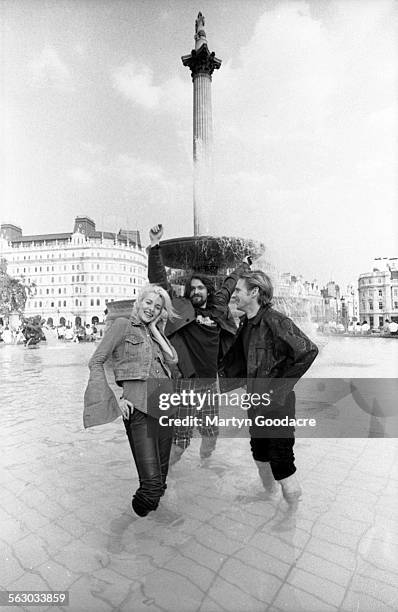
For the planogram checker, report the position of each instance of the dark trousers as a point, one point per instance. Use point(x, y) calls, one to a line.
point(150, 444)
point(278, 450)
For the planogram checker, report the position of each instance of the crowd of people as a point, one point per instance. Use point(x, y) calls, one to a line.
point(356, 328)
point(190, 346)
point(30, 331)
point(78, 333)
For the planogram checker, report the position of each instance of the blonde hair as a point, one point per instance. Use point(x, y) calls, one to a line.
point(162, 293)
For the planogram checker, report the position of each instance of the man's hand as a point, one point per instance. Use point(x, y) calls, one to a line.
point(155, 234)
point(248, 260)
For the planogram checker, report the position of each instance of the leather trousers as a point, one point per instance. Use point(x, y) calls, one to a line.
point(150, 444)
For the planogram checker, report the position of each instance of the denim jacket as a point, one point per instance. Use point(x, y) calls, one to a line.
point(128, 343)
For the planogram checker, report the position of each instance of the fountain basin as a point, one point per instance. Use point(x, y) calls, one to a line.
point(208, 254)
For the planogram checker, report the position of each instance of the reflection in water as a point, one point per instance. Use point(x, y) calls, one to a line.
point(117, 530)
point(214, 524)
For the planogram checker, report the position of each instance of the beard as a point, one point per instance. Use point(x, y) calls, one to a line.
point(198, 300)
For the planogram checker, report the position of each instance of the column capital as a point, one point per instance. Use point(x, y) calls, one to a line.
point(201, 62)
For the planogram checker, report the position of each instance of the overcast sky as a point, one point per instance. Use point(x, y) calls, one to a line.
point(97, 120)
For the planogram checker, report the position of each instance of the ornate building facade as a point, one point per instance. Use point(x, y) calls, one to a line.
point(378, 295)
point(73, 275)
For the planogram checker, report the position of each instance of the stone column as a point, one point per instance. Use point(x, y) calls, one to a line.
point(202, 64)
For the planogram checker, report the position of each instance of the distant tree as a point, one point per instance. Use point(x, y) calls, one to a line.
point(13, 292)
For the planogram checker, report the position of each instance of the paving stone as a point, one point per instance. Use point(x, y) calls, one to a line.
point(324, 569)
point(327, 591)
point(258, 584)
point(291, 599)
point(30, 551)
point(231, 597)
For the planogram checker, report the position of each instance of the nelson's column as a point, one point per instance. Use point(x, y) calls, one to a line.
point(202, 64)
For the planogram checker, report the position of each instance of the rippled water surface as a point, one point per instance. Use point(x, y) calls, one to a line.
point(216, 542)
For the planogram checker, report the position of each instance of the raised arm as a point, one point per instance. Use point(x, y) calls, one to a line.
point(156, 270)
point(223, 296)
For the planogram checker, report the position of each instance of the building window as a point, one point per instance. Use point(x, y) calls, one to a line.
point(64, 302)
point(76, 289)
point(370, 305)
point(76, 302)
point(91, 302)
point(98, 289)
point(371, 321)
point(381, 321)
point(40, 304)
point(396, 305)
point(59, 290)
point(98, 302)
point(380, 305)
point(52, 304)
point(380, 293)
point(59, 302)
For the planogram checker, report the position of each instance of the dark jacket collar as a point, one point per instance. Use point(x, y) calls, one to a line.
point(256, 320)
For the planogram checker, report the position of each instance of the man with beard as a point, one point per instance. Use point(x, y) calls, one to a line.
point(201, 336)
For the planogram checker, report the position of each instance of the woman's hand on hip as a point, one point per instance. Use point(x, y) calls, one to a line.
point(126, 408)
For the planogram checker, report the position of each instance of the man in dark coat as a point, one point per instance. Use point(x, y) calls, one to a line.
point(202, 334)
point(270, 354)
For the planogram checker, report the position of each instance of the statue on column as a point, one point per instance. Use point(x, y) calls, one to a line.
point(200, 27)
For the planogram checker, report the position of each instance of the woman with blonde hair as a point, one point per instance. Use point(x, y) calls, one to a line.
point(141, 358)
